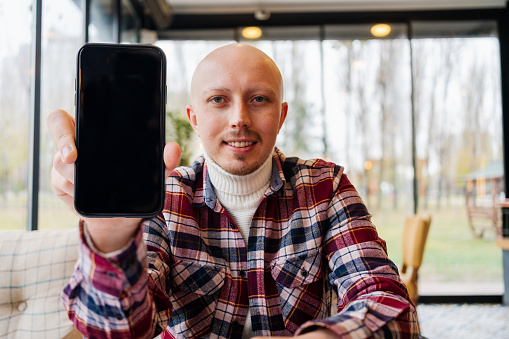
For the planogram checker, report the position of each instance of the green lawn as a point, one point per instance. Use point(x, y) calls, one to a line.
point(53, 214)
point(452, 253)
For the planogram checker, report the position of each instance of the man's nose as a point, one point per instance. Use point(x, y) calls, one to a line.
point(240, 116)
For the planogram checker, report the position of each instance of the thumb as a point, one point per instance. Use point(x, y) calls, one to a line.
point(61, 126)
point(171, 157)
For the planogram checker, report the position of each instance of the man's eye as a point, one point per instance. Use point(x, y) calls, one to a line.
point(217, 100)
point(259, 99)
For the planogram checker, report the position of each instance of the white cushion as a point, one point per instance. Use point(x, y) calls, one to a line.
point(34, 268)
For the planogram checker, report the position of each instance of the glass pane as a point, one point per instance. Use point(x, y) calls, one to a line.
point(101, 27)
point(296, 51)
point(129, 23)
point(182, 58)
point(368, 114)
point(61, 39)
point(350, 101)
point(459, 151)
point(15, 47)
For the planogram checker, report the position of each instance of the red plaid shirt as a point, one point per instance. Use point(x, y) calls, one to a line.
point(197, 277)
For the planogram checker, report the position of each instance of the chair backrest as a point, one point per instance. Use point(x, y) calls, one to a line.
point(415, 233)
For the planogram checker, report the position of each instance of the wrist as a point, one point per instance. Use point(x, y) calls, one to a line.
point(110, 235)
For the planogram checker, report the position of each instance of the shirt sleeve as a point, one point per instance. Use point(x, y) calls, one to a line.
point(113, 295)
point(372, 300)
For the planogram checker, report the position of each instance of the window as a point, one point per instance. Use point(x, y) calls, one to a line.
point(15, 75)
point(296, 51)
point(350, 101)
point(101, 27)
point(414, 117)
point(61, 39)
point(182, 58)
point(458, 114)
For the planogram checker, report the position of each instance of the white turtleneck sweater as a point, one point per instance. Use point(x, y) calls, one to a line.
point(240, 195)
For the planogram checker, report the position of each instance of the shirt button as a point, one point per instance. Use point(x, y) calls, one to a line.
point(304, 273)
point(111, 275)
point(22, 306)
point(231, 225)
point(242, 274)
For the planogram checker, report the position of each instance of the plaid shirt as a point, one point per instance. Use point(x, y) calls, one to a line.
point(197, 277)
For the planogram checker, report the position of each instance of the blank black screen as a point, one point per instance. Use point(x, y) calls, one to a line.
point(120, 130)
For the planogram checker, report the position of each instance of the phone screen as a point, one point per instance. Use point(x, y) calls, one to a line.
point(120, 129)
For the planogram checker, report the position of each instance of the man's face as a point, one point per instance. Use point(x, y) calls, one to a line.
point(237, 107)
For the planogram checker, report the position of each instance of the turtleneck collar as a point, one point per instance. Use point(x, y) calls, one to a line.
point(228, 183)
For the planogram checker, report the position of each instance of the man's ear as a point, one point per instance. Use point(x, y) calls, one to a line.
point(191, 116)
point(282, 117)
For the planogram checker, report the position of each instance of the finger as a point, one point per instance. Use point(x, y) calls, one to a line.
point(63, 189)
point(61, 127)
point(69, 202)
point(61, 185)
point(65, 170)
point(171, 157)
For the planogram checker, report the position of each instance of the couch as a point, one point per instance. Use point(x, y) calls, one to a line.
point(34, 268)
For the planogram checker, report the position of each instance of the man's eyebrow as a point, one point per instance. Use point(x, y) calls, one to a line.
point(264, 91)
point(218, 89)
point(261, 90)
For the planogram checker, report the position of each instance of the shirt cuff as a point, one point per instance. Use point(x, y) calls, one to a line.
point(114, 272)
point(348, 327)
point(362, 318)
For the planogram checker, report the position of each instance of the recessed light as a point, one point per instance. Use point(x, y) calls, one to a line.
point(380, 30)
point(252, 32)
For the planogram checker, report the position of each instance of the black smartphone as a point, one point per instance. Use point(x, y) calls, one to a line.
point(120, 130)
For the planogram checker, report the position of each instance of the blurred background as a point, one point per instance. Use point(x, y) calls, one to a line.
point(406, 95)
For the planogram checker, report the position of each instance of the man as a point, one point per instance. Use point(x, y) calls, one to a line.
point(249, 241)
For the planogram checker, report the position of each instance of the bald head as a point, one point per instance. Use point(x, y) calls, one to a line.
point(238, 58)
point(237, 107)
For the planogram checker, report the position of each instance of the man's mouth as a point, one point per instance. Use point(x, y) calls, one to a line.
point(240, 144)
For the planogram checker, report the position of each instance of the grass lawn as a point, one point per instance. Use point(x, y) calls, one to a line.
point(53, 214)
point(452, 253)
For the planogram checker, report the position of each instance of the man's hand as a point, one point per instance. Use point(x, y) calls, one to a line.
point(318, 334)
point(108, 234)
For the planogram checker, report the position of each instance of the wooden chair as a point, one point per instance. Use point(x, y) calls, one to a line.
point(415, 233)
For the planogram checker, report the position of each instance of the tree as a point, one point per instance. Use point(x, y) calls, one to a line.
point(448, 59)
point(386, 79)
point(296, 130)
point(14, 108)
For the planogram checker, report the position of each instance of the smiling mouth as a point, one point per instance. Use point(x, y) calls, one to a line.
point(240, 144)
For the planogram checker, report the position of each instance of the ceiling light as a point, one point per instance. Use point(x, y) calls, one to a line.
point(252, 32)
point(380, 30)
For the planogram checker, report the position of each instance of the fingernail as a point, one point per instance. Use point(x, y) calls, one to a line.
point(66, 151)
